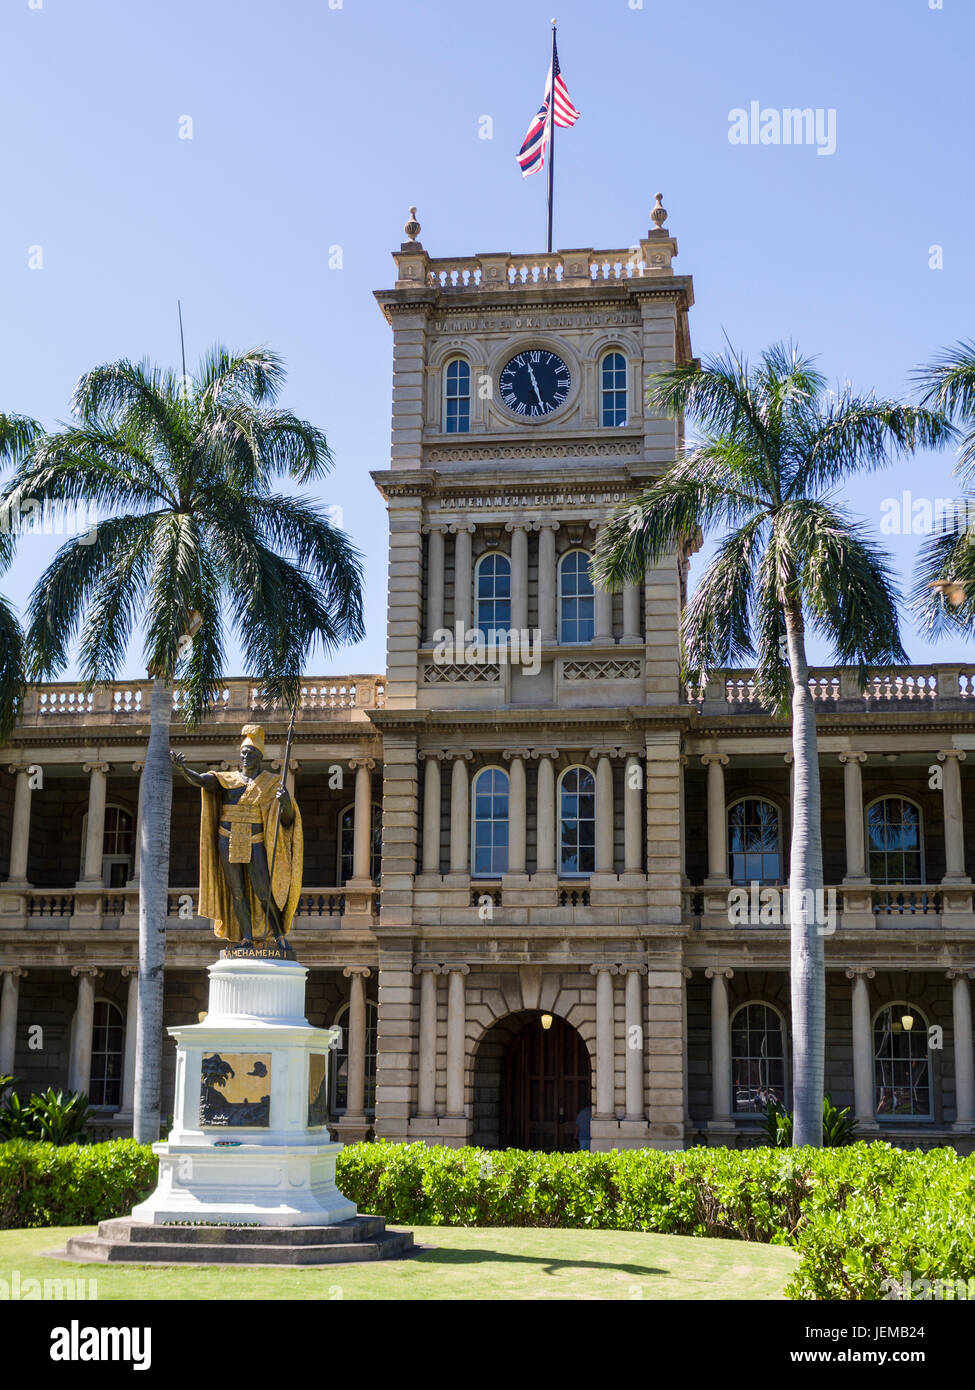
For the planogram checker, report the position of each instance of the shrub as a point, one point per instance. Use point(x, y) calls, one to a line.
point(839, 1126)
point(52, 1117)
point(863, 1218)
point(73, 1184)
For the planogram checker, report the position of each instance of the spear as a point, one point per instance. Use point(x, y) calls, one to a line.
point(277, 822)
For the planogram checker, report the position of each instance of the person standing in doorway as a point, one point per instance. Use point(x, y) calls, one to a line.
point(583, 1123)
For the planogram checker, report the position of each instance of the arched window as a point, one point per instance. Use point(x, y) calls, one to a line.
point(613, 389)
point(107, 1051)
point(577, 822)
point(489, 823)
point(118, 846)
point(757, 1058)
point(577, 603)
point(339, 1061)
point(895, 851)
point(457, 397)
point(902, 1070)
point(492, 591)
point(347, 843)
point(754, 841)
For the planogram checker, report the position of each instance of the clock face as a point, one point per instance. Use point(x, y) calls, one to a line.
point(534, 383)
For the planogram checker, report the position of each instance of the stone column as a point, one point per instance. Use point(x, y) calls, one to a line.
point(137, 768)
point(9, 999)
point(95, 838)
point(460, 810)
point(721, 1119)
point(961, 1013)
point(20, 830)
point(456, 1031)
point(605, 1042)
point(79, 1062)
point(127, 1110)
point(519, 573)
point(633, 790)
point(853, 806)
point(435, 574)
point(355, 1103)
point(547, 586)
point(604, 813)
point(954, 837)
point(427, 1069)
point(463, 578)
point(517, 810)
point(635, 1048)
point(545, 812)
point(632, 636)
point(717, 820)
point(362, 826)
point(863, 1083)
point(603, 609)
point(431, 813)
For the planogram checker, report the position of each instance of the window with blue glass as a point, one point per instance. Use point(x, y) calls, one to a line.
point(894, 841)
point(489, 856)
point(577, 602)
point(577, 822)
point(614, 389)
point(457, 397)
point(492, 591)
point(754, 841)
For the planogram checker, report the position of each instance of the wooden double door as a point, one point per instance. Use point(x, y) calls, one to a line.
point(546, 1080)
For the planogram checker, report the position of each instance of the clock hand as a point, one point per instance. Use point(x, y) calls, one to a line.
point(535, 384)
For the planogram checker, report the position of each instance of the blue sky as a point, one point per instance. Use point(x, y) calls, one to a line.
point(316, 127)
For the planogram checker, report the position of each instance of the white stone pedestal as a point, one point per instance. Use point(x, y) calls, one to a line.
point(249, 1154)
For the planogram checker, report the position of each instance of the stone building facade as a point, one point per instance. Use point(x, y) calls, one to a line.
point(539, 872)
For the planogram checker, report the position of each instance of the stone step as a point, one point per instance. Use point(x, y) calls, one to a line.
point(126, 1230)
point(387, 1245)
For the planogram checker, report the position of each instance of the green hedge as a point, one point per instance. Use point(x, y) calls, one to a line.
point(72, 1184)
point(861, 1218)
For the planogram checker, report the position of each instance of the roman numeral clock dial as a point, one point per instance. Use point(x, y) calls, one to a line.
point(534, 383)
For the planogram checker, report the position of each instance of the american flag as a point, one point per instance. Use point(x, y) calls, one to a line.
point(531, 156)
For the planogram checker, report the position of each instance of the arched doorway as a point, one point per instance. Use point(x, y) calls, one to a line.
point(530, 1083)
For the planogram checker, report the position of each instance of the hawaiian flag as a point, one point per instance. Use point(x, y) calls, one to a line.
point(531, 156)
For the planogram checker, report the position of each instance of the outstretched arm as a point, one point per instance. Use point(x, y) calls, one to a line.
point(195, 779)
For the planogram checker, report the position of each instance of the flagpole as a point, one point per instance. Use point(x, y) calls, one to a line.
point(551, 139)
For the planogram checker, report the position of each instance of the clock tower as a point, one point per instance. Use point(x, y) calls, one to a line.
point(532, 861)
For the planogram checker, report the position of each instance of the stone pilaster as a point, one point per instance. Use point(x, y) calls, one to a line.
point(11, 976)
point(721, 1126)
point(863, 1083)
point(400, 791)
point(395, 1050)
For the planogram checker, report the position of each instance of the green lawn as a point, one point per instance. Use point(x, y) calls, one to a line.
point(457, 1263)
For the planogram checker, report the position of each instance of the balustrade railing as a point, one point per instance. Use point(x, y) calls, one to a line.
point(930, 687)
point(67, 702)
point(45, 904)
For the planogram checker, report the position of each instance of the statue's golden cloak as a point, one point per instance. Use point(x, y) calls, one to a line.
point(215, 899)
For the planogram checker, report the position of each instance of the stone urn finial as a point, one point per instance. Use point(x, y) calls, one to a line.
point(411, 226)
point(659, 214)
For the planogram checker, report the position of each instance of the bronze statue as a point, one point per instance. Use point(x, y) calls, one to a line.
point(250, 830)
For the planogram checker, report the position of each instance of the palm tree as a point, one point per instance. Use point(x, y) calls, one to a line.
point(943, 594)
point(195, 539)
point(17, 433)
point(773, 453)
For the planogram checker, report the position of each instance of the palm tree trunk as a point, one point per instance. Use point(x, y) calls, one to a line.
point(805, 893)
point(157, 798)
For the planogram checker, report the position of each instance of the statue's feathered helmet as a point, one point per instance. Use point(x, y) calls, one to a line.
point(252, 736)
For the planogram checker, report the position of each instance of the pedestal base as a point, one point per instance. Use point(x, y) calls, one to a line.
point(126, 1240)
point(241, 1182)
